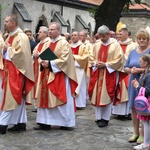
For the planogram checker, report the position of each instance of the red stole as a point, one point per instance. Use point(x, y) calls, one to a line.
point(98, 76)
point(55, 87)
point(58, 89)
point(75, 50)
point(18, 83)
point(122, 77)
point(126, 79)
point(36, 68)
point(123, 48)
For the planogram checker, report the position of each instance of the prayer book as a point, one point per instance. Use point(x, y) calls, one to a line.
point(48, 55)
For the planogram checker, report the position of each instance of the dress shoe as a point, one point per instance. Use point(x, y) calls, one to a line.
point(42, 127)
point(121, 117)
point(79, 108)
point(97, 121)
point(129, 117)
point(18, 127)
point(3, 129)
point(103, 123)
point(66, 128)
point(35, 110)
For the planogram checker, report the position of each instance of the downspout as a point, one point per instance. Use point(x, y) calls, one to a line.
point(62, 7)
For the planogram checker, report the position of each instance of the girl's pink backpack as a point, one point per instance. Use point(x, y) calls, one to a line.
point(142, 104)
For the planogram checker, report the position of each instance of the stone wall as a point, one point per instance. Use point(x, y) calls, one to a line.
point(146, 2)
point(134, 24)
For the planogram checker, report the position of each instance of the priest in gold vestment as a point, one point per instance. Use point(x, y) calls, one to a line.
point(108, 59)
point(17, 77)
point(122, 108)
point(1, 65)
point(56, 85)
point(81, 55)
point(41, 47)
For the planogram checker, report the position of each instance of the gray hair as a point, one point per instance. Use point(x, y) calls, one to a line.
point(58, 26)
point(45, 29)
point(84, 32)
point(103, 30)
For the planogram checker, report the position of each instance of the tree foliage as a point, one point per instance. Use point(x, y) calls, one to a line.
point(109, 12)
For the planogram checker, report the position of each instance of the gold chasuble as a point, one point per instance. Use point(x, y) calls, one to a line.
point(81, 55)
point(17, 75)
point(1, 46)
point(122, 94)
point(102, 83)
point(51, 91)
point(42, 45)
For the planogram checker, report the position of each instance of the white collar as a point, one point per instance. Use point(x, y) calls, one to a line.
point(56, 39)
point(106, 43)
point(14, 32)
point(74, 45)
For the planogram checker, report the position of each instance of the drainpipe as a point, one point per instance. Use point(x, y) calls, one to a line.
point(62, 7)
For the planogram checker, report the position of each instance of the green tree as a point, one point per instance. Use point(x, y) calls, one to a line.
point(109, 12)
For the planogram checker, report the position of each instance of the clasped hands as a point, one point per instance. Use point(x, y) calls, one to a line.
point(45, 63)
point(100, 64)
point(135, 70)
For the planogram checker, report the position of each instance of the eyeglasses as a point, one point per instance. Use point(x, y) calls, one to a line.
point(52, 29)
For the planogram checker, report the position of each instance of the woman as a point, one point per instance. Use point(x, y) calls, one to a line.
point(133, 68)
point(144, 82)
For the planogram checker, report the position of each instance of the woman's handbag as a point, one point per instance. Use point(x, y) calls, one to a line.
point(142, 104)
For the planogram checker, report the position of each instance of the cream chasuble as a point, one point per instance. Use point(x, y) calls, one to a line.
point(104, 88)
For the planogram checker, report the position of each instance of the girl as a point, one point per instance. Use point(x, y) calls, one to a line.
point(145, 82)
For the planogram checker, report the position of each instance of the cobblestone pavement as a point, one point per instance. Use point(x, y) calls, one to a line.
point(85, 136)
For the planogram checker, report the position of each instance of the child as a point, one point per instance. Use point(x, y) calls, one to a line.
point(144, 81)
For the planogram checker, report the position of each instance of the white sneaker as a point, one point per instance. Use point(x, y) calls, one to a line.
point(142, 147)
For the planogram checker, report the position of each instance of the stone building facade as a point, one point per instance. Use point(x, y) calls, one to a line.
point(71, 14)
point(34, 13)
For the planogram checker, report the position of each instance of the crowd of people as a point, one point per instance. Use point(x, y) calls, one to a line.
point(104, 69)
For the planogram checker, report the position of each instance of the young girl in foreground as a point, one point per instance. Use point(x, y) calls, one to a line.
point(144, 81)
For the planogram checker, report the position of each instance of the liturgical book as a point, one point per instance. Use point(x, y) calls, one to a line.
point(48, 55)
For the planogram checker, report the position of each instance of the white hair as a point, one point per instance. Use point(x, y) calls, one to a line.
point(103, 30)
point(45, 29)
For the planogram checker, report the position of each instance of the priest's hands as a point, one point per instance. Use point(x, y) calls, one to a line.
point(6, 47)
point(36, 55)
point(45, 63)
point(100, 64)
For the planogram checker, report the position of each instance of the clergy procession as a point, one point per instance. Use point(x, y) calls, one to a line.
point(59, 73)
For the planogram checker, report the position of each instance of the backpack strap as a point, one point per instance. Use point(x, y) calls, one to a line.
point(141, 91)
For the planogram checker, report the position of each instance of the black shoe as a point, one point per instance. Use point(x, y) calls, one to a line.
point(97, 121)
point(3, 129)
point(42, 127)
point(121, 117)
point(35, 110)
point(66, 128)
point(18, 127)
point(103, 123)
point(79, 108)
point(129, 117)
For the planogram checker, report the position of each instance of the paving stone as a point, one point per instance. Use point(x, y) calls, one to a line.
point(85, 136)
